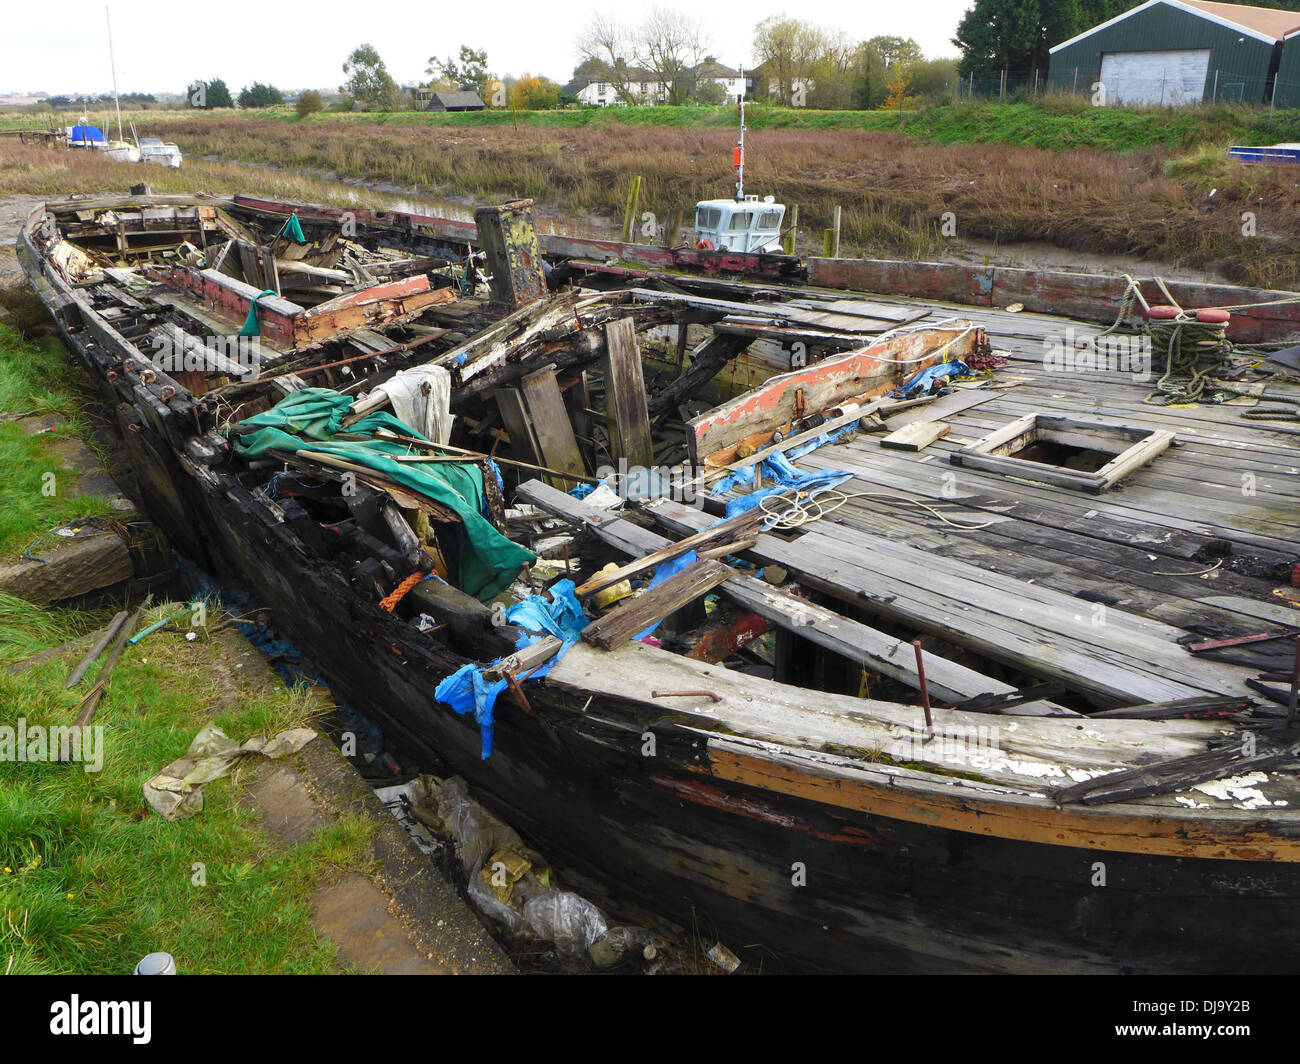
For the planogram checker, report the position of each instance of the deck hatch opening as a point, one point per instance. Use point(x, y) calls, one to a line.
point(1065, 452)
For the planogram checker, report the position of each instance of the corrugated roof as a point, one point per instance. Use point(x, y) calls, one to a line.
point(1270, 21)
point(1263, 23)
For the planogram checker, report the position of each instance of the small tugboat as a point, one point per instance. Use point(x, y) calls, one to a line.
point(741, 224)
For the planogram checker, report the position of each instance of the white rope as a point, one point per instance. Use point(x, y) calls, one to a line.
point(798, 512)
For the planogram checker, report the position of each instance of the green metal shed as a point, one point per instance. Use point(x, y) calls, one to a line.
point(1288, 72)
point(1177, 52)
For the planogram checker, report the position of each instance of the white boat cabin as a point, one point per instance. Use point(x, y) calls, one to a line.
point(748, 224)
point(154, 150)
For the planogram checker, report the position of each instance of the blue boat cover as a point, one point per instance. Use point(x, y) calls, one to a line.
point(87, 134)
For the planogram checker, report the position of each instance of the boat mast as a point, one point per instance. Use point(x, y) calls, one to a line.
point(740, 147)
point(112, 62)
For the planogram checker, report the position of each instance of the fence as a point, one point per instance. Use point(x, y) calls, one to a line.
point(1222, 86)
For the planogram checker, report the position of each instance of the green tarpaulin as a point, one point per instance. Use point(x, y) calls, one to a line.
point(252, 327)
point(293, 229)
point(484, 561)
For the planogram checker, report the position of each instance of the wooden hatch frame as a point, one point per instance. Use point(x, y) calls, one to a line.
point(1130, 448)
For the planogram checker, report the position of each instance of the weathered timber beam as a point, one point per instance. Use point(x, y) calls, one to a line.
point(883, 653)
point(707, 364)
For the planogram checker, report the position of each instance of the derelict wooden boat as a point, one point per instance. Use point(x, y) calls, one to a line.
point(1062, 813)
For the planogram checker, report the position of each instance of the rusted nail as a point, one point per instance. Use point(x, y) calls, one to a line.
point(517, 692)
point(925, 690)
point(685, 694)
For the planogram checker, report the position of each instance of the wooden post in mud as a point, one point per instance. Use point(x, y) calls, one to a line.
point(792, 233)
point(832, 239)
point(629, 211)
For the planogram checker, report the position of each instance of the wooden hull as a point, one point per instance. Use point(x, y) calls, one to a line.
point(798, 871)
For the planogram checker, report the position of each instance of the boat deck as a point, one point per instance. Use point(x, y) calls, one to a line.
point(1091, 589)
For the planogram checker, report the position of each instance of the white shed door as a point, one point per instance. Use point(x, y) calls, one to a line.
point(1169, 78)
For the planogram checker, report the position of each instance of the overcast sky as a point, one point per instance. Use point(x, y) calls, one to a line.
point(62, 46)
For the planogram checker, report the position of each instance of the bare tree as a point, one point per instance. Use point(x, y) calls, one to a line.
point(670, 45)
point(605, 45)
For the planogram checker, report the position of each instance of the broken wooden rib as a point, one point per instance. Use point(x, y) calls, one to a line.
point(651, 606)
point(625, 398)
point(723, 532)
point(857, 642)
point(1175, 774)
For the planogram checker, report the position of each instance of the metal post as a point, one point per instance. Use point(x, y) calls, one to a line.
point(970, 91)
point(112, 62)
point(925, 690)
point(1076, 79)
point(1272, 98)
point(1002, 86)
point(835, 250)
point(1035, 82)
point(1216, 86)
point(740, 162)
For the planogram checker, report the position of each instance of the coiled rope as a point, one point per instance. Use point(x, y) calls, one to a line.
point(785, 512)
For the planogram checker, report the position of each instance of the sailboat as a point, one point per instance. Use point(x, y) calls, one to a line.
point(121, 149)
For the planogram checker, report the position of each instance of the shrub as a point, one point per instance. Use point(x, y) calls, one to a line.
point(309, 103)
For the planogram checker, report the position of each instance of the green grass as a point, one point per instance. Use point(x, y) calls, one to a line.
point(37, 377)
point(1055, 122)
point(90, 878)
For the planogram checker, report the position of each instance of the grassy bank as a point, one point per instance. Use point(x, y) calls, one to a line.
point(91, 879)
point(1056, 122)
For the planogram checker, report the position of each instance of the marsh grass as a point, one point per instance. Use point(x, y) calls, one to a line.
point(893, 187)
point(1012, 173)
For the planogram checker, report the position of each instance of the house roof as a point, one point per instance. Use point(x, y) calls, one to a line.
point(715, 69)
point(457, 99)
point(1265, 24)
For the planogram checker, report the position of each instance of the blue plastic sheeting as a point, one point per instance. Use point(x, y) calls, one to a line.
point(87, 135)
point(778, 469)
point(920, 383)
point(469, 689)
